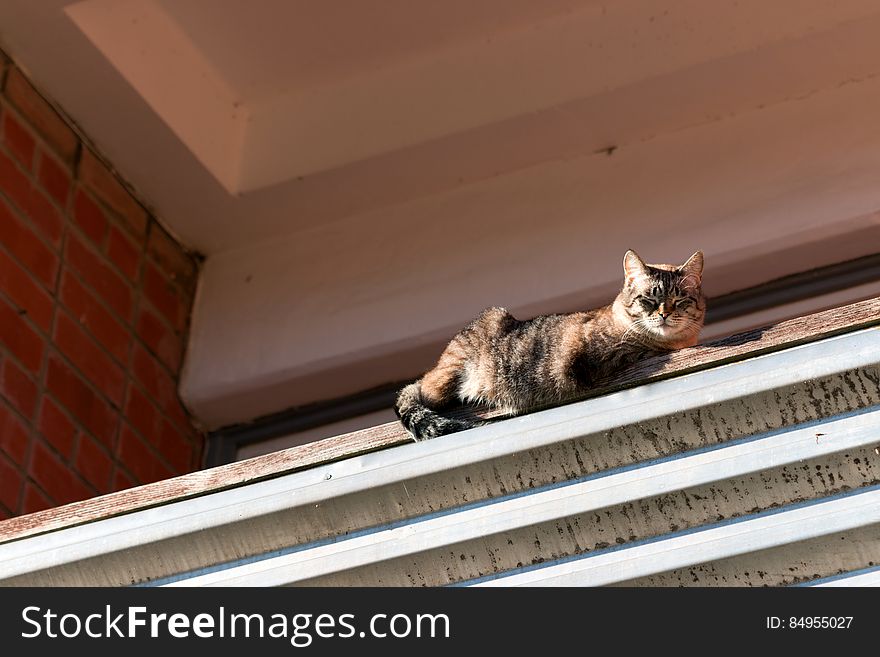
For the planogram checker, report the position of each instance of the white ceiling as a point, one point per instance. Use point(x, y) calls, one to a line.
point(266, 47)
point(243, 120)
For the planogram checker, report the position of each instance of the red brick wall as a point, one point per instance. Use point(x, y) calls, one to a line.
point(94, 307)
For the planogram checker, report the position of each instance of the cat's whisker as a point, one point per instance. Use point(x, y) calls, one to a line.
point(636, 325)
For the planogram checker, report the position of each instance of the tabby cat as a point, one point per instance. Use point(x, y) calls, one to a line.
point(516, 365)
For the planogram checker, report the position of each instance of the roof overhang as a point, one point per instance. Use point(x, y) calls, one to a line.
point(364, 177)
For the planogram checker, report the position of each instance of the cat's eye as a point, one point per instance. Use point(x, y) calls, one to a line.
point(647, 304)
point(683, 303)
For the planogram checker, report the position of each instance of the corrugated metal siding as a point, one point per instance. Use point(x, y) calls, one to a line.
point(772, 458)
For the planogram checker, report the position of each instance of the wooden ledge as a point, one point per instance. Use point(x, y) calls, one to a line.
point(735, 348)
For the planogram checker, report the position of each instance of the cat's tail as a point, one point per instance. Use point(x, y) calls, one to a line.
point(420, 420)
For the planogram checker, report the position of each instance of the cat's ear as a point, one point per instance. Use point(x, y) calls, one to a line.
point(633, 265)
point(693, 268)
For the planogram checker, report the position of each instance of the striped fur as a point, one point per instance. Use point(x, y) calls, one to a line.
point(516, 365)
